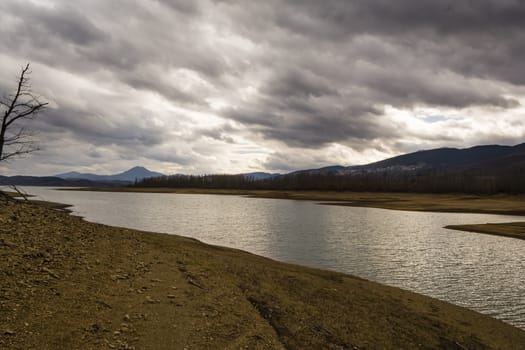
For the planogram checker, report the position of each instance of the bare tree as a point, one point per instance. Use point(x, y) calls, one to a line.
point(15, 139)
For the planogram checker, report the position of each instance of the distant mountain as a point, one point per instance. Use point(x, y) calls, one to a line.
point(136, 173)
point(56, 182)
point(76, 179)
point(73, 175)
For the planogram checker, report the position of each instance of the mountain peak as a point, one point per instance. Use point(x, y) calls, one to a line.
point(137, 167)
point(130, 175)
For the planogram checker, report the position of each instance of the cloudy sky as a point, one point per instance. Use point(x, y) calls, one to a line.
point(206, 86)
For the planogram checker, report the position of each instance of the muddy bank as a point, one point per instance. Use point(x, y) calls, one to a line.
point(66, 283)
point(507, 229)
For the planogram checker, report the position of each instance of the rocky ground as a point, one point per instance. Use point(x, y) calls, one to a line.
point(69, 284)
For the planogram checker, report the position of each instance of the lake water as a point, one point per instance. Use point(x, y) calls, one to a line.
point(410, 250)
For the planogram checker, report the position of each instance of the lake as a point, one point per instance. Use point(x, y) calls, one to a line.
point(410, 250)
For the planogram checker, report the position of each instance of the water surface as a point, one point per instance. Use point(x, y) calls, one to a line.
point(410, 250)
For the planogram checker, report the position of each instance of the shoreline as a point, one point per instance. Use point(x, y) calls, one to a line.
point(444, 203)
point(457, 203)
point(159, 291)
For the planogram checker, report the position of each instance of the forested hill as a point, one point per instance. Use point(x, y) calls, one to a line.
point(480, 169)
point(451, 157)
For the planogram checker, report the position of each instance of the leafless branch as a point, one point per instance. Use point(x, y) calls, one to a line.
point(23, 104)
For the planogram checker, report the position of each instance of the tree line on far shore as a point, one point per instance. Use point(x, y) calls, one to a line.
point(471, 181)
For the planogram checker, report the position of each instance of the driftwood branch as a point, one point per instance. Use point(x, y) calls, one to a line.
point(20, 192)
point(9, 198)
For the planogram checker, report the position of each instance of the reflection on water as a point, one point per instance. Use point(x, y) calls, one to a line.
point(405, 249)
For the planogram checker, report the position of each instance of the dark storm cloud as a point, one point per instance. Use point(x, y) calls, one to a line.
point(303, 73)
point(124, 38)
point(64, 23)
point(410, 88)
point(336, 63)
point(402, 16)
point(183, 6)
point(100, 128)
point(221, 133)
point(481, 38)
point(69, 26)
point(95, 154)
point(294, 83)
point(150, 81)
point(312, 124)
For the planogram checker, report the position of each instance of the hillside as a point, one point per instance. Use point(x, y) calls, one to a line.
point(450, 157)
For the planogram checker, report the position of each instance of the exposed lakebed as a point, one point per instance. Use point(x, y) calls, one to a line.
point(410, 250)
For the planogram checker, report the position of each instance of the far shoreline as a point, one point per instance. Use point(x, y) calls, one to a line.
point(501, 204)
point(498, 204)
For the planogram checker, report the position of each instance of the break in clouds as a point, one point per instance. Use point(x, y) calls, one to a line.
point(236, 86)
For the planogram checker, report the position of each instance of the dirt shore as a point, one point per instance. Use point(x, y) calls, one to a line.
point(454, 203)
point(69, 284)
point(507, 229)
